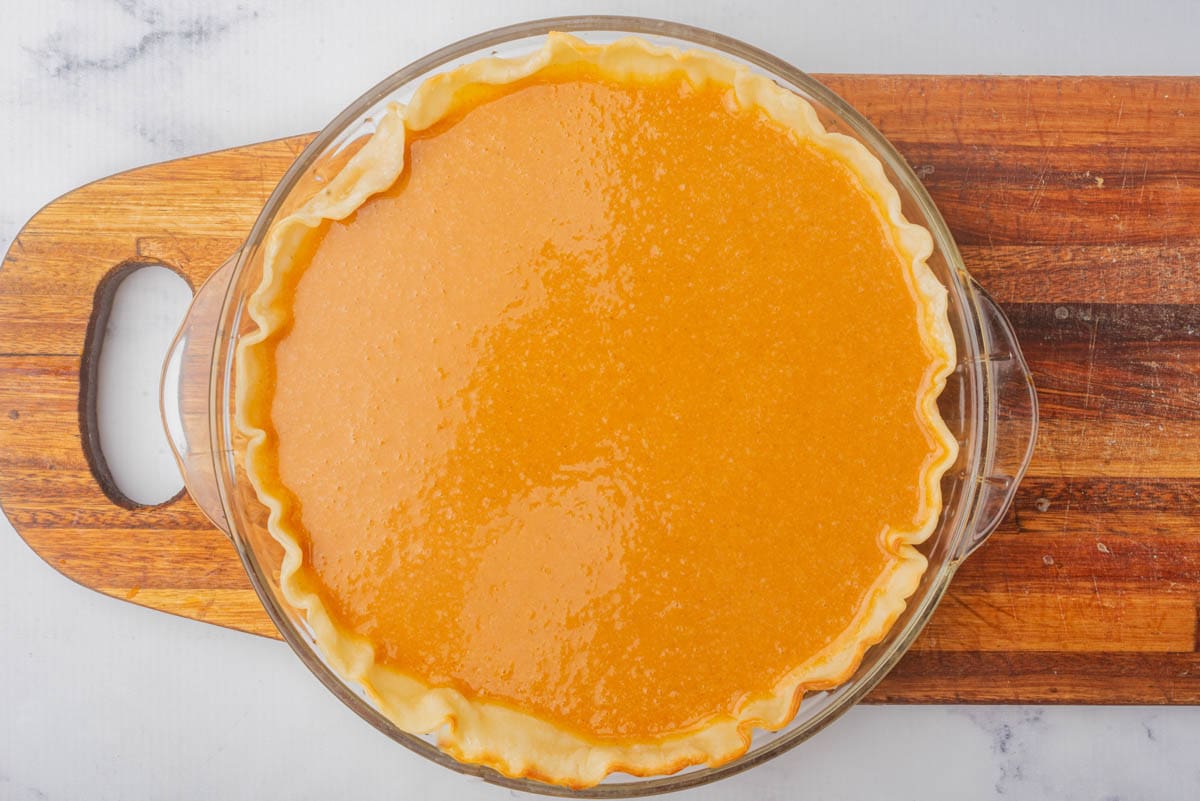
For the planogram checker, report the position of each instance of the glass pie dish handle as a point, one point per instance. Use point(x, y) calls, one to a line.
point(185, 396)
point(1010, 419)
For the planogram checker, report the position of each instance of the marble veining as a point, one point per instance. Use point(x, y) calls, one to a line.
point(1012, 736)
point(101, 699)
point(65, 55)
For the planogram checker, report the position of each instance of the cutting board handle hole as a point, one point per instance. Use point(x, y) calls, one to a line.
point(136, 311)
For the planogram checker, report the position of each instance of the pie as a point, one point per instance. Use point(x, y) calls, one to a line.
point(593, 400)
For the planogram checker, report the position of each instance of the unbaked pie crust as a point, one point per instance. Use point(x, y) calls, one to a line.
point(514, 742)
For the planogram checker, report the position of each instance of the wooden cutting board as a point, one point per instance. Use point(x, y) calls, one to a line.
point(1076, 202)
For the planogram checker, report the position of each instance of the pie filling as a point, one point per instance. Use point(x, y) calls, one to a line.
point(593, 400)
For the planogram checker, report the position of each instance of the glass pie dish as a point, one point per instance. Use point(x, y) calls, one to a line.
point(989, 403)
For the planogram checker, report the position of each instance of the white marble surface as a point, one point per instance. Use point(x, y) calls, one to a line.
point(100, 699)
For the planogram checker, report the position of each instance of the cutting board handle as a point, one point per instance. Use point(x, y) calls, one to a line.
point(183, 392)
point(103, 299)
point(185, 398)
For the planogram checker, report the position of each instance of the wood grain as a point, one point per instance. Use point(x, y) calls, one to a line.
point(1077, 204)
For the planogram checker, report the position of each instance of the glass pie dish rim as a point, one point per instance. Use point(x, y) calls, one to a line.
point(989, 337)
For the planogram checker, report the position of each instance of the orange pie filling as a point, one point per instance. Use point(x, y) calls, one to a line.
point(594, 404)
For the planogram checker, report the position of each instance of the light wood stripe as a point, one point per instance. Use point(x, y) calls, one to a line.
point(239, 609)
point(1150, 448)
point(1098, 619)
point(1101, 115)
point(1086, 274)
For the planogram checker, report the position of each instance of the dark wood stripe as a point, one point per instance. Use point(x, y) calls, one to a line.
point(1155, 328)
point(1172, 499)
point(1113, 362)
point(1100, 561)
point(942, 677)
